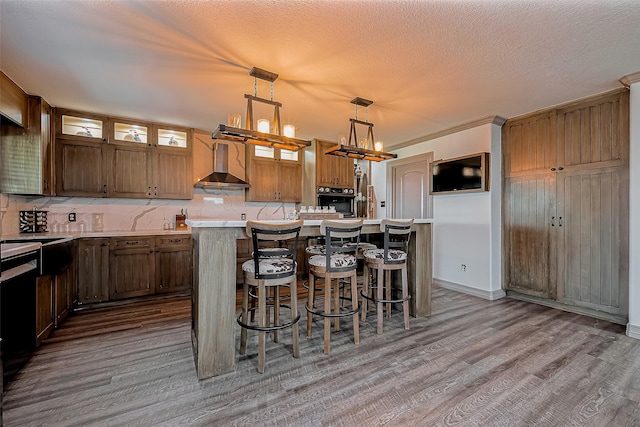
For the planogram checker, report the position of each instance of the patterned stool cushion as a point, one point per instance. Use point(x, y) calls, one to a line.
point(337, 260)
point(269, 266)
point(316, 250)
point(394, 254)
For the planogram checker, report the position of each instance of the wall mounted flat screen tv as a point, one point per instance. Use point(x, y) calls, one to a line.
point(466, 174)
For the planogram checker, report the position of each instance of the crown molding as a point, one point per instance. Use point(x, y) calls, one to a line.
point(630, 79)
point(493, 120)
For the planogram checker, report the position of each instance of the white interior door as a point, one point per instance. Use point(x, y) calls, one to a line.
point(409, 187)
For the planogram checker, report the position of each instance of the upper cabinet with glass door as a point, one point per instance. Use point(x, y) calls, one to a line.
point(171, 137)
point(73, 125)
point(131, 134)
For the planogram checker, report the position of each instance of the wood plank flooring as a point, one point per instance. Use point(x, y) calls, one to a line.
point(472, 363)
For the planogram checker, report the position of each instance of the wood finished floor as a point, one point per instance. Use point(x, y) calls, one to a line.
point(472, 363)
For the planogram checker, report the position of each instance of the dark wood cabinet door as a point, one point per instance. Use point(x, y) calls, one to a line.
point(93, 270)
point(595, 133)
point(131, 267)
point(13, 102)
point(263, 177)
point(332, 171)
point(44, 307)
point(529, 144)
point(529, 238)
point(130, 172)
point(593, 242)
point(81, 169)
point(289, 181)
point(62, 298)
point(174, 264)
point(172, 174)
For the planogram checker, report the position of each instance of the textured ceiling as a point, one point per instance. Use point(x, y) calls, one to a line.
point(427, 65)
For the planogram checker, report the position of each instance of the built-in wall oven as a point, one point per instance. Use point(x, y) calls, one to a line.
point(341, 198)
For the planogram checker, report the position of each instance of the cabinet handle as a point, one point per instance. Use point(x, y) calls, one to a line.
point(46, 184)
point(560, 168)
point(553, 224)
point(104, 139)
point(104, 188)
point(105, 244)
point(553, 169)
point(149, 144)
point(560, 221)
point(150, 251)
point(132, 243)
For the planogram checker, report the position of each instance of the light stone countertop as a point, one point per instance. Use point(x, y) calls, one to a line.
point(104, 234)
point(216, 223)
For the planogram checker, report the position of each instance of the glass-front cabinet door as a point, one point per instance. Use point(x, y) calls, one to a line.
point(131, 134)
point(81, 126)
point(172, 138)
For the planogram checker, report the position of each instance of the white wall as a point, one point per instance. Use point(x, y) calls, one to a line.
point(633, 327)
point(467, 226)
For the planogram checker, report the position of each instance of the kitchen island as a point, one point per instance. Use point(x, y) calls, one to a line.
point(214, 289)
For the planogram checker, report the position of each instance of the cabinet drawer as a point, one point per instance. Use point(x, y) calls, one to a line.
point(173, 241)
point(133, 242)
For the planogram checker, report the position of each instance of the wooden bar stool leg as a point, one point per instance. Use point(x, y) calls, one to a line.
point(276, 312)
point(294, 314)
point(310, 303)
point(327, 310)
point(405, 295)
point(365, 291)
point(380, 289)
point(388, 291)
point(336, 305)
point(354, 306)
point(262, 321)
point(244, 318)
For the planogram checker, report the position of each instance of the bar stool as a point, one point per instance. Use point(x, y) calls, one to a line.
point(384, 261)
point(338, 262)
point(270, 268)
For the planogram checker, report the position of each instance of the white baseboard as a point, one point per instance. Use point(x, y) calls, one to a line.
point(489, 295)
point(633, 331)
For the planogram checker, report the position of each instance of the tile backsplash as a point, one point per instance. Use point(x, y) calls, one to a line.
point(139, 214)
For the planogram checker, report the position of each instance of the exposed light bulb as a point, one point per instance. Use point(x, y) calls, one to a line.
point(378, 146)
point(263, 125)
point(289, 131)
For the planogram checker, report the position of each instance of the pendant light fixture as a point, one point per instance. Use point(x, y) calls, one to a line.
point(369, 148)
point(269, 136)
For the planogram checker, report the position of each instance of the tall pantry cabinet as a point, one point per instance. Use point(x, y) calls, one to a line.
point(566, 205)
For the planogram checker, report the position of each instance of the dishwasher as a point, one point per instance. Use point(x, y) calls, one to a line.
point(19, 268)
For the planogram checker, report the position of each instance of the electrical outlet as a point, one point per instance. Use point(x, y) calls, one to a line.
point(382, 203)
point(463, 267)
point(243, 216)
point(72, 217)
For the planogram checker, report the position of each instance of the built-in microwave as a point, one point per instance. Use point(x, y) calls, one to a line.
point(342, 199)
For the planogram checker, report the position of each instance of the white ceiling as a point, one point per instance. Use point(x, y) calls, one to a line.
point(427, 65)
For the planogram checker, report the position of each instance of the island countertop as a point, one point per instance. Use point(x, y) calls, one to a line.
point(219, 223)
point(214, 292)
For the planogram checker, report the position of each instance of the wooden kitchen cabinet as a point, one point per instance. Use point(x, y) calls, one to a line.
point(63, 298)
point(13, 102)
point(332, 171)
point(44, 307)
point(174, 264)
point(566, 205)
point(131, 267)
point(102, 156)
point(81, 154)
point(274, 174)
point(26, 164)
point(93, 270)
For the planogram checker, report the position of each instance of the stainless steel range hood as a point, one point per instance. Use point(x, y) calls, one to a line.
point(221, 178)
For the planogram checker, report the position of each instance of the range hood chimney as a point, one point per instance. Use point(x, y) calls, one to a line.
point(221, 178)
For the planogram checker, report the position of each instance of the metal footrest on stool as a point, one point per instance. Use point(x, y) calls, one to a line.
point(267, 328)
point(345, 313)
